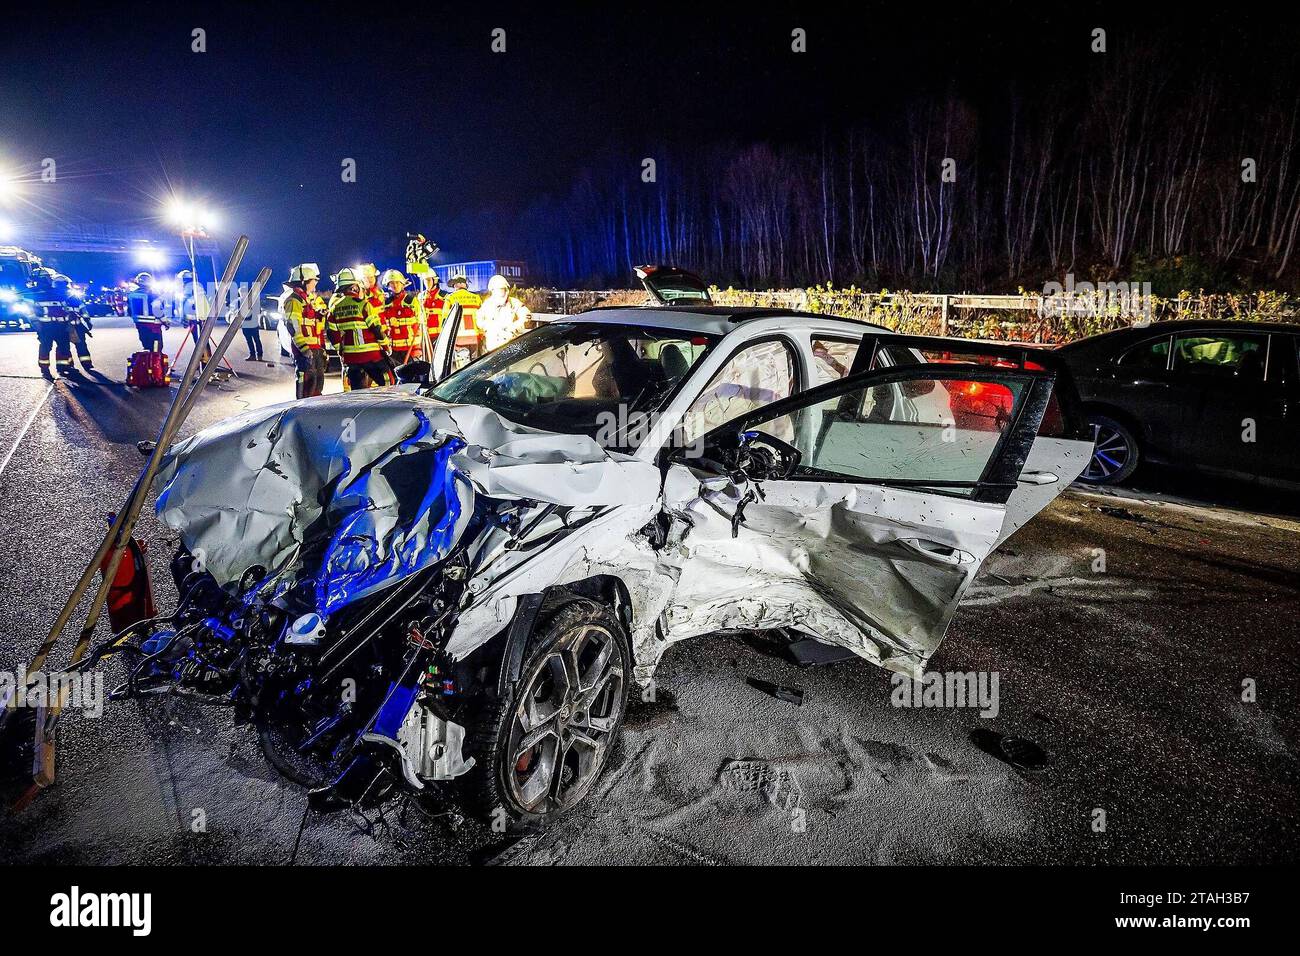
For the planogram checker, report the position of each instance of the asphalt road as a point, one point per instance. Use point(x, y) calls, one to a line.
point(1128, 679)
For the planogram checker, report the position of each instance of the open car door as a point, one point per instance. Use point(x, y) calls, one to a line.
point(444, 346)
point(669, 285)
point(1063, 444)
point(859, 512)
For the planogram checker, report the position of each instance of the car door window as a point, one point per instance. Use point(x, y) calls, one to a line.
point(929, 427)
point(1284, 362)
point(832, 359)
point(1219, 355)
point(1152, 354)
point(755, 376)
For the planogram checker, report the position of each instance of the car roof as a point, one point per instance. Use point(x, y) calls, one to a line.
point(1192, 325)
point(715, 319)
point(1135, 333)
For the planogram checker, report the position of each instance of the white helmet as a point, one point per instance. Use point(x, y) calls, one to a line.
point(394, 275)
point(305, 272)
point(498, 282)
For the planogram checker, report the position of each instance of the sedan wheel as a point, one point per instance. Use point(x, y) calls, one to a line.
point(1114, 454)
point(540, 748)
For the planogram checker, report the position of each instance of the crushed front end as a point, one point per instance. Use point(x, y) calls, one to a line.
point(327, 550)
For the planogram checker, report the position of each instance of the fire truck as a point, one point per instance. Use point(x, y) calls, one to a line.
point(17, 268)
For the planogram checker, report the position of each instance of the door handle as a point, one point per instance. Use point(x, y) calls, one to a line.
point(938, 552)
point(1040, 477)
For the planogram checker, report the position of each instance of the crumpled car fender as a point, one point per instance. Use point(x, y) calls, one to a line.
point(610, 544)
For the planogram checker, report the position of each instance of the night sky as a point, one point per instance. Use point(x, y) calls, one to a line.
point(441, 127)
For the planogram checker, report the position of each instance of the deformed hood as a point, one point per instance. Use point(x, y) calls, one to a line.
point(383, 480)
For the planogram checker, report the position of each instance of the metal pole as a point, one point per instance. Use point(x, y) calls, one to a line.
point(124, 524)
point(256, 295)
point(197, 375)
point(114, 537)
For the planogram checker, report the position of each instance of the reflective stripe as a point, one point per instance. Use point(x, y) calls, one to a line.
point(308, 322)
point(402, 321)
point(353, 326)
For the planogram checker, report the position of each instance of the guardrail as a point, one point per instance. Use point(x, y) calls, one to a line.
point(1026, 317)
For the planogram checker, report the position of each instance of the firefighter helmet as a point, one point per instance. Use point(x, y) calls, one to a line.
point(393, 275)
point(369, 271)
point(346, 277)
point(498, 282)
point(304, 272)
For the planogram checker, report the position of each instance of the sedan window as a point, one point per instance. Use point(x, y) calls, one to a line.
point(1152, 354)
point(832, 359)
point(1238, 355)
point(755, 376)
point(919, 430)
point(1284, 361)
point(593, 378)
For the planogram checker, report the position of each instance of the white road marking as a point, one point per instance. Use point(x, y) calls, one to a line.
point(22, 432)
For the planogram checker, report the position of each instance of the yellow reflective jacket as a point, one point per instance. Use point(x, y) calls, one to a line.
point(306, 317)
point(354, 326)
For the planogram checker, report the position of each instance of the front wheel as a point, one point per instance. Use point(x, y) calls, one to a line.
point(1114, 452)
point(541, 750)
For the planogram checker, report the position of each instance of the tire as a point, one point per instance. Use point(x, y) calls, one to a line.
point(575, 725)
point(1115, 453)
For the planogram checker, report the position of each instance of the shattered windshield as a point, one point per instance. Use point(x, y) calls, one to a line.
point(598, 379)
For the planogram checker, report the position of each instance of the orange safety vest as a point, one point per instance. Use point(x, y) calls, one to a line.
point(375, 296)
point(356, 329)
point(468, 336)
point(433, 311)
point(402, 322)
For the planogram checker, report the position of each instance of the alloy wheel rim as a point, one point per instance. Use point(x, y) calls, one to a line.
point(1110, 453)
point(564, 720)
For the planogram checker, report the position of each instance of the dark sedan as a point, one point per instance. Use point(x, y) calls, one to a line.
point(1217, 397)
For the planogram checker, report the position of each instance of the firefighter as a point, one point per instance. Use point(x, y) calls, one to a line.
point(79, 325)
point(372, 290)
point(191, 294)
point(51, 324)
point(502, 317)
point(304, 311)
point(468, 341)
point(432, 303)
point(355, 327)
point(147, 325)
point(401, 317)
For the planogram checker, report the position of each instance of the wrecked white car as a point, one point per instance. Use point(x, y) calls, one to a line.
point(464, 576)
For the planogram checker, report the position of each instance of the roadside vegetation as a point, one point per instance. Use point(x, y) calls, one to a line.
point(917, 313)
